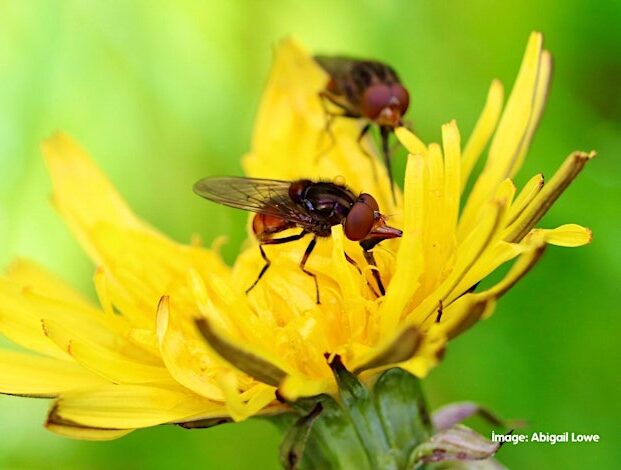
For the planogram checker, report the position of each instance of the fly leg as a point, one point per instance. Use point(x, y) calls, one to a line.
point(385, 133)
point(441, 305)
point(351, 261)
point(368, 255)
point(328, 124)
point(307, 252)
point(273, 241)
point(440, 311)
point(364, 131)
point(324, 99)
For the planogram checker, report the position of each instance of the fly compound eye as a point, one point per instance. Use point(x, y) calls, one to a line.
point(369, 201)
point(359, 220)
point(403, 96)
point(375, 98)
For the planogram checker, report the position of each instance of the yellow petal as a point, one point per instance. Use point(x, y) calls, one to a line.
point(519, 269)
point(483, 130)
point(463, 314)
point(74, 431)
point(495, 257)
point(429, 354)
point(241, 406)
point(101, 282)
point(141, 263)
point(511, 137)
point(82, 194)
point(474, 247)
point(21, 322)
point(290, 141)
point(470, 308)
point(470, 251)
point(29, 275)
point(517, 115)
point(409, 258)
point(230, 312)
point(437, 235)
point(290, 107)
point(540, 96)
point(115, 364)
point(297, 386)
point(31, 375)
point(132, 406)
point(495, 254)
point(547, 196)
point(452, 173)
point(28, 308)
point(401, 347)
point(185, 358)
point(410, 141)
point(350, 286)
point(569, 235)
point(527, 194)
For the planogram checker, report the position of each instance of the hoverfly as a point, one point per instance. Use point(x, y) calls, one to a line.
point(365, 89)
point(314, 207)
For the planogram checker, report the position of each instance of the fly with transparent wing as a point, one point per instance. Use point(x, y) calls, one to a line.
point(364, 89)
point(312, 206)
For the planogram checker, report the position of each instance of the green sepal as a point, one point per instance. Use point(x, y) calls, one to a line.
point(402, 409)
point(332, 442)
point(359, 405)
point(294, 443)
point(369, 426)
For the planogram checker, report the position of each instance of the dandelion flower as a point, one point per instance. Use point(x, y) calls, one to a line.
point(174, 338)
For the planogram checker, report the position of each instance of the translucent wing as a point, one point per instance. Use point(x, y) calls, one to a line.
point(264, 196)
point(335, 66)
point(359, 74)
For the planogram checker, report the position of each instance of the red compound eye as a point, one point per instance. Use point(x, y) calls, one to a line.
point(375, 98)
point(361, 217)
point(401, 94)
point(369, 201)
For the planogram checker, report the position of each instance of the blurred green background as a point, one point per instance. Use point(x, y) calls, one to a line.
point(162, 93)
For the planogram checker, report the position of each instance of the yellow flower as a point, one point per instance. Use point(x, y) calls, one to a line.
point(138, 359)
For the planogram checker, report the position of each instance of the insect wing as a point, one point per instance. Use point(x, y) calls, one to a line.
point(359, 74)
point(336, 67)
point(263, 196)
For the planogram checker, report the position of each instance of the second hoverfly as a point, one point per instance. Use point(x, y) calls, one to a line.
point(314, 207)
point(365, 89)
